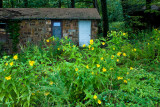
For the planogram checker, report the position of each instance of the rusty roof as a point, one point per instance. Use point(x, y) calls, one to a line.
point(49, 13)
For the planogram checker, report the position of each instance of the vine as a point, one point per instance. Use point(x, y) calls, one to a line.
point(13, 28)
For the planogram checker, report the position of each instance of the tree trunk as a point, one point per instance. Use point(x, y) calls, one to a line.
point(72, 4)
point(12, 3)
point(95, 5)
point(1, 3)
point(59, 4)
point(104, 18)
point(25, 3)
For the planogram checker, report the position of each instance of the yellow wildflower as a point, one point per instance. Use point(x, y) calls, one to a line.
point(92, 48)
point(111, 68)
point(119, 53)
point(119, 78)
point(134, 49)
point(112, 56)
point(124, 34)
point(127, 72)
point(128, 79)
point(124, 54)
point(91, 41)
point(8, 78)
point(33, 93)
point(117, 60)
point(84, 45)
point(103, 43)
point(74, 46)
point(6, 64)
point(131, 68)
point(113, 48)
point(51, 83)
point(99, 102)
point(15, 57)
point(47, 40)
point(98, 65)
point(5, 57)
point(11, 64)
point(58, 48)
point(104, 70)
point(101, 58)
point(148, 43)
point(95, 97)
point(92, 73)
point(63, 49)
point(46, 93)
point(87, 66)
point(125, 81)
point(158, 39)
point(31, 63)
point(76, 69)
point(53, 38)
point(4, 70)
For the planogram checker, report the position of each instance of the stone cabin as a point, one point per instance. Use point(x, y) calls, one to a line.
point(37, 24)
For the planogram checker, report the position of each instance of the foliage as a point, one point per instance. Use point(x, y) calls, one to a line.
point(105, 73)
point(13, 28)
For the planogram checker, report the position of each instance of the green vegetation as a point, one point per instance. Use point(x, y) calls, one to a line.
point(118, 72)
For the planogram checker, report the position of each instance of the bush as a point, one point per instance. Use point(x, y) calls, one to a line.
point(108, 73)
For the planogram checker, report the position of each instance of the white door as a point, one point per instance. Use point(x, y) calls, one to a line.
point(84, 32)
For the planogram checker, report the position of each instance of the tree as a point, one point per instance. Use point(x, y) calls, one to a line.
point(1, 3)
point(26, 3)
point(72, 4)
point(104, 18)
point(59, 4)
point(95, 4)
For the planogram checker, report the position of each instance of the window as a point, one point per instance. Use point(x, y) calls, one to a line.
point(57, 24)
point(3, 32)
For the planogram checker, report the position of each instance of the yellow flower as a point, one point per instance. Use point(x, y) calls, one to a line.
point(103, 43)
point(11, 64)
point(15, 57)
point(87, 66)
point(76, 69)
point(31, 63)
point(53, 38)
point(104, 70)
point(131, 68)
point(134, 49)
point(33, 93)
point(91, 41)
point(158, 39)
point(92, 48)
point(95, 97)
point(63, 49)
point(119, 53)
point(101, 58)
point(6, 64)
point(111, 68)
point(99, 102)
point(124, 54)
point(73, 45)
point(46, 93)
point(113, 48)
point(128, 79)
point(8, 78)
point(58, 48)
point(98, 65)
point(127, 72)
point(117, 60)
point(119, 78)
point(47, 40)
point(51, 83)
point(5, 57)
point(124, 34)
point(125, 81)
point(84, 45)
point(112, 56)
point(92, 73)
point(148, 43)
point(4, 70)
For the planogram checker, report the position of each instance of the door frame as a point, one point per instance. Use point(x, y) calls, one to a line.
point(52, 21)
point(79, 31)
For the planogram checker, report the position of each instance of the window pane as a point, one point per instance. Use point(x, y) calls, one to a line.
point(57, 24)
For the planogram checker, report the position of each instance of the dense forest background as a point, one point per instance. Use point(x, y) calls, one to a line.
point(116, 14)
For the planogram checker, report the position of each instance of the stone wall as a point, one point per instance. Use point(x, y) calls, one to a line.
point(35, 31)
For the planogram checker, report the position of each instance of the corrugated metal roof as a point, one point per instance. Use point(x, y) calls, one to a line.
point(49, 13)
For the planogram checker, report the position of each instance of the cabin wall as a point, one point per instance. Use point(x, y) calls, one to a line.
point(35, 31)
